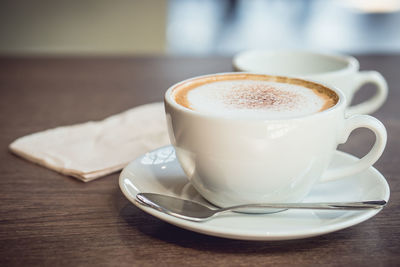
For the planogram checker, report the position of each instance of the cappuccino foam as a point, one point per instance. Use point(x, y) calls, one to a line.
point(254, 98)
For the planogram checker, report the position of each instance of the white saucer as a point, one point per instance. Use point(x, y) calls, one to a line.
point(159, 172)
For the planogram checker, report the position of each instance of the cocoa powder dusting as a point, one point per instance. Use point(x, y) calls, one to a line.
point(259, 96)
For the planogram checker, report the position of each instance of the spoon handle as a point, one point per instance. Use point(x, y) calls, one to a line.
point(376, 204)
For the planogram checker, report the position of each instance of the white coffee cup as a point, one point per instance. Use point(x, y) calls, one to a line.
point(234, 161)
point(336, 70)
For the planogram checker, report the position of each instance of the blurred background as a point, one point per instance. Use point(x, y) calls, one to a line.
point(197, 27)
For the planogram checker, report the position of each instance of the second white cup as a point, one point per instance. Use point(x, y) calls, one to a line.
point(332, 69)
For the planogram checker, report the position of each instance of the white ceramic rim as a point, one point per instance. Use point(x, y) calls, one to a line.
point(169, 99)
point(352, 63)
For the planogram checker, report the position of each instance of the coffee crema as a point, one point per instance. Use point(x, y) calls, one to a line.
point(253, 96)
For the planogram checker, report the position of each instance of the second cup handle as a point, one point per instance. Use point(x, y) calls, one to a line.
point(352, 123)
point(375, 102)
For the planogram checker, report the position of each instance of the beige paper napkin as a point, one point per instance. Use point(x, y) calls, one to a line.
point(93, 149)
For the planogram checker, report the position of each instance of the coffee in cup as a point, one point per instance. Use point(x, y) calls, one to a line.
point(250, 138)
point(250, 96)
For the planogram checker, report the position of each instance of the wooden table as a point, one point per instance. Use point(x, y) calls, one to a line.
point(53, 220)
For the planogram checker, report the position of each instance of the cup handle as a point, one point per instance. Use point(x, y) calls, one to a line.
point(375, 102)
point(352, 123)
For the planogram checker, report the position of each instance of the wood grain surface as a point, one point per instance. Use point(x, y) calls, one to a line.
point(47, 219)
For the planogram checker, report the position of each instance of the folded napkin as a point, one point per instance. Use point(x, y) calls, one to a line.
point(93, 149)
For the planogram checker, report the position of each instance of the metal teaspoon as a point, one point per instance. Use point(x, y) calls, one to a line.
point(193, 211)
